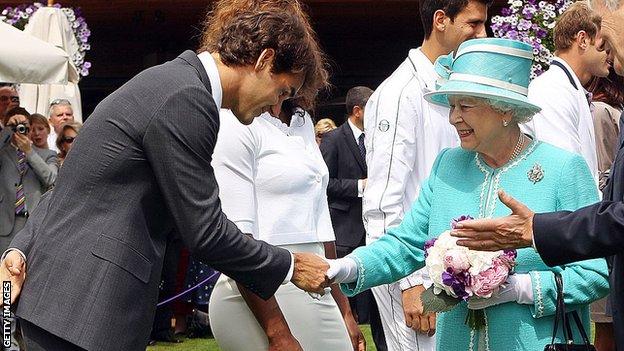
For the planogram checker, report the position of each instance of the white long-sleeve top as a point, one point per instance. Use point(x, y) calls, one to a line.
point(403, 135)
point(273, 180)
point(565, 119)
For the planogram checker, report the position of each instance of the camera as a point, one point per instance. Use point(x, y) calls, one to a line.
point(20, 128)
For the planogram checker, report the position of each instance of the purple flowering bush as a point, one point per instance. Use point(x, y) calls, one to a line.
point(20, 15)
point(532, 22)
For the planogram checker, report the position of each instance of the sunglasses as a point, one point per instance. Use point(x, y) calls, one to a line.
point(60, 102)
point(7, 98)
point(68, 140)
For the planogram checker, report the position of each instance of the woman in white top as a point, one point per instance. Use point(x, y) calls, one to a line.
point(273, 182)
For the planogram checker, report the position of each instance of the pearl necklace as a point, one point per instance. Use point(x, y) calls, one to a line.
point(518, 148)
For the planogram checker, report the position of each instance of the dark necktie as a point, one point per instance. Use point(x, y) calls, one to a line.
point(361, 146)
point(20, 199)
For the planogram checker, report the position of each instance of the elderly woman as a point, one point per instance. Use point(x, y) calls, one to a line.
point(485, 87)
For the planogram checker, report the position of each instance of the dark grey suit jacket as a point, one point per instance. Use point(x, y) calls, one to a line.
point(591, 232)
point(346, 166)
point(139, 170)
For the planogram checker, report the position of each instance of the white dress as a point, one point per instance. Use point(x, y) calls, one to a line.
point(272, 184)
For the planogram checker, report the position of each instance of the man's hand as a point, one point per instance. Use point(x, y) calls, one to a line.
point(415, 317)
point(13, 269)
point(512, 232)
point(22, 142)
point(284, 342)
point(310, 273)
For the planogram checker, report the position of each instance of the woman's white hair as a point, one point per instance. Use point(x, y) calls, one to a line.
point(519, 115)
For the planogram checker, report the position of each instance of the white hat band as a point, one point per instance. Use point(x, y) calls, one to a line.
point(489, 81)
point(497, 50)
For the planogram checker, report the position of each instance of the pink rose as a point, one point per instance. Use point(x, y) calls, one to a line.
point(457, 260)
point(488, 281)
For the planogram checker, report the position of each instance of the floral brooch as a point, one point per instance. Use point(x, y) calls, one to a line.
point(536, 173)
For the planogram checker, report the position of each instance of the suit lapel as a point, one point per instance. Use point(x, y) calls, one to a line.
point(353, 146)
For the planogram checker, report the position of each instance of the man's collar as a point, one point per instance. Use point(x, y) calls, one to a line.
point(213, 75)
point(356, 131)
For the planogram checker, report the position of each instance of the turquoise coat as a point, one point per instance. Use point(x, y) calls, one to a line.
point(461, 183)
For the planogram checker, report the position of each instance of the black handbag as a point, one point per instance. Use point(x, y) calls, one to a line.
point(561, 315)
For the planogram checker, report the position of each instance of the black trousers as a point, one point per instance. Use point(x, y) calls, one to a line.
point(37, 339)
point(365, 306)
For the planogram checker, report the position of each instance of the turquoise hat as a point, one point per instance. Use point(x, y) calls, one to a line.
point(493, 68)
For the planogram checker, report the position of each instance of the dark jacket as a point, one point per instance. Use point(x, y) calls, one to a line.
point(346, 166)
point(591, 232)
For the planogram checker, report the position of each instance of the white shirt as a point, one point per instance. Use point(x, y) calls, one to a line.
point(404, 134)
point(356, 134)
point(273, 180)
point(52, 140)
point(565, 119)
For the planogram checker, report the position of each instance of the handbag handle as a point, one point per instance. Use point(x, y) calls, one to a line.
point(560, 314)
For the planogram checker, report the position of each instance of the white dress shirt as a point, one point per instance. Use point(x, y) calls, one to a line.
point(356, 134)
point(404, 134)
point(565, 119)
point(52, 140)
point(275, 179)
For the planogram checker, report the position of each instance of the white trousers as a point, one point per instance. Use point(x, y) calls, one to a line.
point(316, 324)
point(399, 337)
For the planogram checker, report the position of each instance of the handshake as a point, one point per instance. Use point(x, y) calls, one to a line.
point(314, 273)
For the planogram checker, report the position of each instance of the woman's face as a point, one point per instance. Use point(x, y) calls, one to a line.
point(478, 124)
point(39, 135)
point(68, 139)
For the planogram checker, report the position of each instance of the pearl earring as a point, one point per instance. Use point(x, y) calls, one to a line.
point(505, 123)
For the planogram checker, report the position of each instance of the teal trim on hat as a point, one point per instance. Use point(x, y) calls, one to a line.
point(492, 68)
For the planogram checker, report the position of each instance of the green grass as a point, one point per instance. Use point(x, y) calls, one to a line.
point(211, 344)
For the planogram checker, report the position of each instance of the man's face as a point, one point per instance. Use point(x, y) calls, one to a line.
point(264, 91)
point(468, 24)
point(60, 114)
point(596, 58)
point(8, 99)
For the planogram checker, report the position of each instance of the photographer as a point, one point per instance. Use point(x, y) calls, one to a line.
point(26, 172)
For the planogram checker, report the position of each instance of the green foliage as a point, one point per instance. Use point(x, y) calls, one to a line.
point(437, 303)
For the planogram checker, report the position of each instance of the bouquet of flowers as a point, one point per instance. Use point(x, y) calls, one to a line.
point(532, 22)
point(458, 274)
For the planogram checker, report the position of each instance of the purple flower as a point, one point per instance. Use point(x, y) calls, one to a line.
point(457, 282)
point(511, 254)
point(454, 221)
point(506, 12)
point(428, 244)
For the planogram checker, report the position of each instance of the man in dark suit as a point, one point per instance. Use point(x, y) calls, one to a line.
point(139, 170)
point(345, 155)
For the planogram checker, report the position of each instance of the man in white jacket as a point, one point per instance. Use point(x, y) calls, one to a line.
point(404, 134)
point(566, 119)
